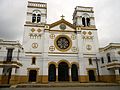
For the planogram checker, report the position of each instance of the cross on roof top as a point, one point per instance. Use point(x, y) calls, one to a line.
point(62, 16)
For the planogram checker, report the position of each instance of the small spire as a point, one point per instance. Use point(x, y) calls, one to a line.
point(62, 16)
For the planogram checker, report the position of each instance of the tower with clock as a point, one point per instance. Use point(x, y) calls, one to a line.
point(60, 51)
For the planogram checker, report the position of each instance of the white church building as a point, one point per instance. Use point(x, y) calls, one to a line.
point(58, 52)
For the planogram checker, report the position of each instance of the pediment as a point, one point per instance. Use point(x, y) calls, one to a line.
point(62, 25)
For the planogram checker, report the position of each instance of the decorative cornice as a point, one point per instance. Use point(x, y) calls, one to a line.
point(33, 52)
point(30, 24)
point(110, 46)
point(37, 5)
point(92, 27)
point(61, 53)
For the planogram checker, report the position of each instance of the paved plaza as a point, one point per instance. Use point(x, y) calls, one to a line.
point(67, 88)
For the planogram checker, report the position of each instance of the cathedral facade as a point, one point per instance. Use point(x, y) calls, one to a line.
point(59, 52)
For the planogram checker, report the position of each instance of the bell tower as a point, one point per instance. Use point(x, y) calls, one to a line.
point(34, 26)
point(36, 13)
point(84, 16)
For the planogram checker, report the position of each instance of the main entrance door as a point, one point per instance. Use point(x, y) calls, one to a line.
point(63, 72)
point(91, 75)
point(32, 75)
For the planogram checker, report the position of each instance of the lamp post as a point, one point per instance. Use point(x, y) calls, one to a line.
point(98, 74)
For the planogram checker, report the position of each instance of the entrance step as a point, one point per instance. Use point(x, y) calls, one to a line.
point(66, 85)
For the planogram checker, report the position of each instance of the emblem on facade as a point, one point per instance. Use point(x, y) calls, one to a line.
point(88, 47)
point(74, 49)
point(51, 48)
point(39, 30)
point(90, 33)
point(52, 36)
point(34, 45)
point(32, 30)
point(84, 32)
point(62, 26)
point(73, 37)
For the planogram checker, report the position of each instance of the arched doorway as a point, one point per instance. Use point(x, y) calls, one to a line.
point(32, 75)
point(74, 72)
point(91, 75)
point(63, 72)
point(52, 73)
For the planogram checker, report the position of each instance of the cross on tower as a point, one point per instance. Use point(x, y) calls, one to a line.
point(62, 16)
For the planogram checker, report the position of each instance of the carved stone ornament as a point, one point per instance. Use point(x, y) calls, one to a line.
point(51, 48)
point(34, 45)
point(88, 47)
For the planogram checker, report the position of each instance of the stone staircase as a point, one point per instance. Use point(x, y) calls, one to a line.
point(30, 85)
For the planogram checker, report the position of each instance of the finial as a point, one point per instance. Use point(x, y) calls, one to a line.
point(62, 16)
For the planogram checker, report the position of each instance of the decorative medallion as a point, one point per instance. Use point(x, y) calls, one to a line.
point(63, 26)
point(51, 48)
point(34, 45)
point(32, 30)
point(88, 47)
point(52, 36)
point(39, 30)
point(74, 49)
point(90, 33)
point(73, 37)
point(84, 32)
point(63, 43)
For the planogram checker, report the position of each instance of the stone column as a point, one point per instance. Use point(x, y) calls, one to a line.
point(56, 74)
point(70, 79)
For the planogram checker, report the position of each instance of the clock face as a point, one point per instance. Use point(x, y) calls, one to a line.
point(63, 43)
point(62, 26)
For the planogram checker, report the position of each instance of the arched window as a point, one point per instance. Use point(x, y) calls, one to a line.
point(108, 57)
point(52, 73)
point(83, 21)
point(38, 18)
point(90, 61)
point(34, 18)
point(88, 21)
point(102, 60)
point(74, 72)
point(33, 60)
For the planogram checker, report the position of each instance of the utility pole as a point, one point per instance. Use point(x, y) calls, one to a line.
point(98, 74)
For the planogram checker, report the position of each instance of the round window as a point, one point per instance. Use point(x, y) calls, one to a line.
point(63, 43)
